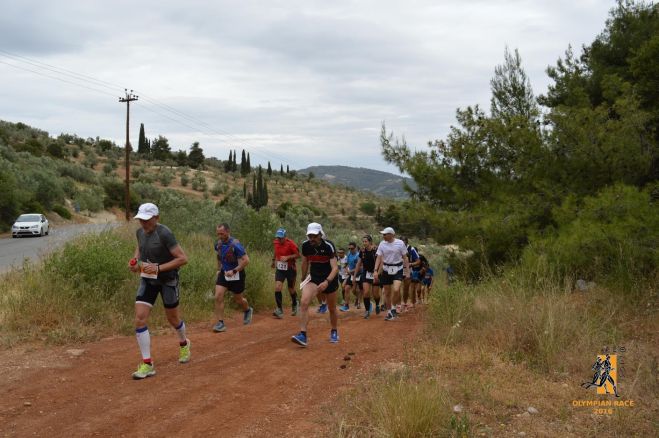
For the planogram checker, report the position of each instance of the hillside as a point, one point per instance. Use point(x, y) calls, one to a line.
point(381, 183)
point(47, 174)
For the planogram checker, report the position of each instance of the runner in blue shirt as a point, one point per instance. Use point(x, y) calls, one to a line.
point(353, 276)
point(231, 262)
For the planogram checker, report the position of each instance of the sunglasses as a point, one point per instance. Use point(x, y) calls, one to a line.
point(311, 236)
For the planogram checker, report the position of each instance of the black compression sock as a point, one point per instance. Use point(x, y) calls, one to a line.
point(294, 298)
point(278, 299)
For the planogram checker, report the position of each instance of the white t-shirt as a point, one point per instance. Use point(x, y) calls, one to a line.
point(343, 267)
point(392, 252)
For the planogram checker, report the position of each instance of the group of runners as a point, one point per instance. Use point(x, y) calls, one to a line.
point(387, 278)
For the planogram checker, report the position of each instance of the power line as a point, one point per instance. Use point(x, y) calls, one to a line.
point(76, 79)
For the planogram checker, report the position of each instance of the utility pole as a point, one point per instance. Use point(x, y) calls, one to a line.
point(128, 99)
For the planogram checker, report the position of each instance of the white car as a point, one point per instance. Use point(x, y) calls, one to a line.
point(33, 224)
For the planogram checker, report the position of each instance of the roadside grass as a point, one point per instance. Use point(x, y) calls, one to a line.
point(514, 341)
point(84, 290)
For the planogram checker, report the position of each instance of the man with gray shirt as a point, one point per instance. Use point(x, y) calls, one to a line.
point(157, 258)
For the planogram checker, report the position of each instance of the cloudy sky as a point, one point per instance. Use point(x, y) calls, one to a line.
point(295, 82)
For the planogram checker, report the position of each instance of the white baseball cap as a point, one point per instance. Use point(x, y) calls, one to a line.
point(147, 211)
point(388, 230)
point(315, 228)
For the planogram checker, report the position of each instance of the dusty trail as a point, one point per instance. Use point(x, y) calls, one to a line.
point(249, 381)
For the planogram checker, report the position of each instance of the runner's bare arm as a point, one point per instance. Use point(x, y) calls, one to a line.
point(242, 262)
point(378, 265)
point(180, 259)
point(406, 264)
point(305, 267)
point(136, 256)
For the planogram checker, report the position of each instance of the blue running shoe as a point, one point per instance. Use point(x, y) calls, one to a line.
point(300, 339)
point(377, 310)
point(322, 308)
point(344, 308)
point(390, 316)
point(219, 327)
point(247, 317)
point(334, 337)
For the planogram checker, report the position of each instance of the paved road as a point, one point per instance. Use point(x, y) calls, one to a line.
point(14, 251)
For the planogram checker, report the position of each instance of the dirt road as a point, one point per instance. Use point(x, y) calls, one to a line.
point(249, 381)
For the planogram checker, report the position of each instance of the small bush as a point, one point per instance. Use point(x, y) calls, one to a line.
point(62, 211)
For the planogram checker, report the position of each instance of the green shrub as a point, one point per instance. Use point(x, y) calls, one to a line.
point(90, 199)
point(612, 236)
point(62, 211)
point(184, 180)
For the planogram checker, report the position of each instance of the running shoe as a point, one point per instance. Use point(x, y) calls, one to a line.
point(390, 316)
point(367, 314)
point(377, 309)
point(322, 308)
point(219, 327)
point(296, 309)
point(300, 339)
point(334, 336)
point(358, 305)
point(184, 352)
point(144, 370)
point(344, 308)
point(247, 318)
point(278, 313)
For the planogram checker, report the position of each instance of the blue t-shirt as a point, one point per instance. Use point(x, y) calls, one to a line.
point(429, 273)
point(352, 260)
point(228, 253)
point(413, 255)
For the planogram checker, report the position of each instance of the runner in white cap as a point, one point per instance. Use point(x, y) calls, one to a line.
point(157, 257)
point(319, 259)
point(392, 257)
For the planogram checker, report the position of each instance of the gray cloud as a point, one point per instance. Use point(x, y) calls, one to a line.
point(303, 82)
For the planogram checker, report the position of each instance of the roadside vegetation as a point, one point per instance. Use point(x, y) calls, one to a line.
point(548, 207)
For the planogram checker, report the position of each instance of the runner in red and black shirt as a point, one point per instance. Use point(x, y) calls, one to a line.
point(319, 259)
point(286, 252)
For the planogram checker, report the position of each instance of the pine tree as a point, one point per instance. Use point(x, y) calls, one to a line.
point(196, 156)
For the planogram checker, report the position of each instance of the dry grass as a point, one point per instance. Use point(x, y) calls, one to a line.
point(503, 346)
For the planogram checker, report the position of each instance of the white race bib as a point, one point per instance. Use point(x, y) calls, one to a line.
point(393, 270)
point(369, 275)
point(145, 275)
point(234, 277)
point(282, 266)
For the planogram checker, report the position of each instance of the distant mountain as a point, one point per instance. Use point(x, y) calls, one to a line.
point(381, 183)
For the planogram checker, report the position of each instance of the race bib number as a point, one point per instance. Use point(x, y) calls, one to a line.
point(234, 277)
point(369, 275)
point(357, 277)
point(393, 270)
point(282, 266)
point(145, 275)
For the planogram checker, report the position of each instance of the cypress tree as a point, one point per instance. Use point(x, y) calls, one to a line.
point(281, 169)
point(143, 144)
point(243, 164)
point(228, 166)
point(269, 169)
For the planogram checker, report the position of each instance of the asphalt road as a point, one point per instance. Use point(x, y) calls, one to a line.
point(14, 251)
